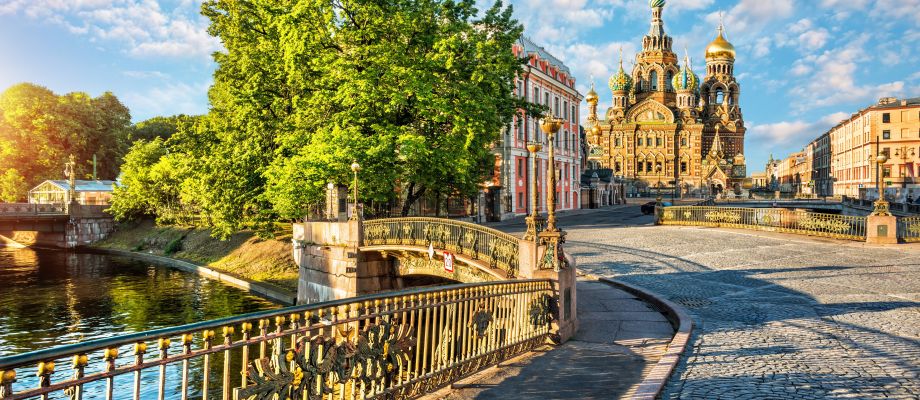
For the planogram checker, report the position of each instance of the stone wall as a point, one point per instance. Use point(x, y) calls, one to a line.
point(86, 231)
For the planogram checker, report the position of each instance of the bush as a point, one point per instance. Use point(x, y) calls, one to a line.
point(173, 246)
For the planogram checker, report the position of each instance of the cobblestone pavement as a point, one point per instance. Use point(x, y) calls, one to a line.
point(777, 316)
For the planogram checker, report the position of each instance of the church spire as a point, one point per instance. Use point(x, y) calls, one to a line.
point(716, 150)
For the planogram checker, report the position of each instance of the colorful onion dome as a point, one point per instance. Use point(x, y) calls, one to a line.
point(620, 81)
point(686, 79)
point(656, 3)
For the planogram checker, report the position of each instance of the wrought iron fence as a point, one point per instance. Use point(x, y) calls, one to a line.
point(909, 229)
point(30, 209)
point(497, 248)
point(769, 219)
point(392, 345)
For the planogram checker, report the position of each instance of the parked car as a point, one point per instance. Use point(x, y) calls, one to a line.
point(649, 208)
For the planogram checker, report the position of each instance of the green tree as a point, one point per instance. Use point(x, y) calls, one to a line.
point(12, 186)
point(162, 127)
point(415, 90)
point(151, 183)
point(39, 130)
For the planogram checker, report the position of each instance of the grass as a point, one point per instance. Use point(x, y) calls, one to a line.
point(244, 254)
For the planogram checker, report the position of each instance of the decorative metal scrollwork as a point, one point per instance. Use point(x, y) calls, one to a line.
point(723, 216)
point(542, 310)
point(827, 225)
point(373, 354)
point(481, 320)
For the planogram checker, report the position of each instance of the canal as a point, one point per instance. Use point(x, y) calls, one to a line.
point(52, 297)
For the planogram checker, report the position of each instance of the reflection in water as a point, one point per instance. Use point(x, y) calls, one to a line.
point(50, 298)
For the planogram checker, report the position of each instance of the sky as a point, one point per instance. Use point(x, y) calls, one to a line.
point(803, 65)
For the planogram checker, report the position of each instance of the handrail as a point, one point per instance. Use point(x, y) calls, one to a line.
point(498, 249)
point(909, 229)
point(769, 219)
point(404, 342)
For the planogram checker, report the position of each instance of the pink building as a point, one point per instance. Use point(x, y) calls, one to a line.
point(547, 81)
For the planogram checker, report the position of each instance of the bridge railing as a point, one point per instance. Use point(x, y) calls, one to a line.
point(17, 209)
point(497, 248)
point(769, 219)
point(909, 229)
point(388, 345)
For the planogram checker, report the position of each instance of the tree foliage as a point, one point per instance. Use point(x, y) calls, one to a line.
point(416, 91)
point(40, 129)
point(158, 127)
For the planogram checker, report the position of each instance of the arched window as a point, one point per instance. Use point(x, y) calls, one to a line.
point(668, 83)
point(720, 96)
point(653, 80)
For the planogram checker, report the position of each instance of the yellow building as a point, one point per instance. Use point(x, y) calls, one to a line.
point(667, 127)
point(892, 127)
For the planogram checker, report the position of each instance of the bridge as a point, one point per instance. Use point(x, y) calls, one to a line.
point(53, 225)
point(363, 333)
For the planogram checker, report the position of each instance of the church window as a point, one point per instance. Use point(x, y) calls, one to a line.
point(658, 142)
point(668, 83)
point(683, 142)
point(639, 142)
point(617, 167)
point(720, 97)
point(616, 142)
point(653, 80)
point(648, 166)
point(886, 134)
point(683, 167)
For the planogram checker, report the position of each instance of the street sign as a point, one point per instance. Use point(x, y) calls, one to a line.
point(448, 262)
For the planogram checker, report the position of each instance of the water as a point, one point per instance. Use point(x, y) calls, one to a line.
point(51, 297)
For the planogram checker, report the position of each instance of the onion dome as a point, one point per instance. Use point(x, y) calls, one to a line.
point(720, 48)
point(656, 3)
point(686, 79)
point(620, 81)
point(591, 97)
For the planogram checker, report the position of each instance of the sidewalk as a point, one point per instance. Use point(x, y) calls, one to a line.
point(619, 341)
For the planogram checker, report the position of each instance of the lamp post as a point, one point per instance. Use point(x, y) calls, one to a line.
point(355, 167)
point(881, 205)
point(534, 221)
point(71, 175)
point(658, 187)
point(550, 127)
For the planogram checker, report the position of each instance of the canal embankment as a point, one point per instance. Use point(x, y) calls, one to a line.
point(264, 267)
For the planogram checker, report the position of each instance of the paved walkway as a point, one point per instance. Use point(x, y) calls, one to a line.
point(777, 316)
point(620, 339)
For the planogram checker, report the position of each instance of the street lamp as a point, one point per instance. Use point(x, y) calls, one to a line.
point(355, 167)
point(881, 205)
point(71, 175)
point(550, 127)
point(533, 220)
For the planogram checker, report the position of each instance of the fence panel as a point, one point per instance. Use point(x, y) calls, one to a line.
point(909, 229)
point(393, 345)
point(769, 219)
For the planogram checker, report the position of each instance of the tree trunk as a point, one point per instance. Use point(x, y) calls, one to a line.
point(411, 198)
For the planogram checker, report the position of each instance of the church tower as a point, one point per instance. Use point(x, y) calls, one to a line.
point(720, 93)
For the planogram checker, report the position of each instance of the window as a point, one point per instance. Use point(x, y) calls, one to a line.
point(520, 199)
point(683, 167)
point(683, 142)
point(565, 110)
point(574, 117)
point(520, 168)
point(556, 107)
point(648, 166)
point(536, 95)
point(565, 141)
point(887, 172)
point(639, 142)
point(886, 134)
point(887, 152)
point(658, 142)
point(617, 167)
point(546, 99)
point(653, 80)
point(520, 89)
point(520, 128)
point(886, 118)
point(616, 142)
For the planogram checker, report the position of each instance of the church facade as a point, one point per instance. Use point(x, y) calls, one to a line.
point(667, 129)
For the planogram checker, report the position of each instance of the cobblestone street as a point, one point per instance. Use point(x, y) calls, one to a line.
point(776, 316)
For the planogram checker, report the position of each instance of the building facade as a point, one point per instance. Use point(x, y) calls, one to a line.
point(842, 161)
point(667, 128)
point(549, 82)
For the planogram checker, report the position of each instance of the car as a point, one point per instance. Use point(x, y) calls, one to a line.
point(649, 208)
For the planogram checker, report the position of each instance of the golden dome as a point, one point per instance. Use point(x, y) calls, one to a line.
point(592, 95)
point(720, 48)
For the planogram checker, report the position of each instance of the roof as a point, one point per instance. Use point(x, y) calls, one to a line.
point(531, 47)
point(81, 185)
point(605, 175)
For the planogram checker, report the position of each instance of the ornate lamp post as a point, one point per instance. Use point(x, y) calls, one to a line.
point(71, 175)
point(552, 237)
point(534, 221)
point(881, 205)
point(355, 167)
point(550, 127)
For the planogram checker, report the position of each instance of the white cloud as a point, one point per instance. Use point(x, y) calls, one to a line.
point(794, 133)
point(141, 26)
point(145, 74)
point(897, 9)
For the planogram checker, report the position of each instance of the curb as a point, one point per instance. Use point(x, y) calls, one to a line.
point(651, 386)
point(260, 289)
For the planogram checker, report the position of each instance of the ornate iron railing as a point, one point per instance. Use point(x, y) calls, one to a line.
point(30, 209)
point(389, 345)
point(498, 249)
point(909, 229)
point(769, 219)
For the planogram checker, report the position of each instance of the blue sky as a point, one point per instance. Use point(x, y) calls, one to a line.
point(803, 64)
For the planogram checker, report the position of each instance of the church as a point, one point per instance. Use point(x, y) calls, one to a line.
point(667, 129)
